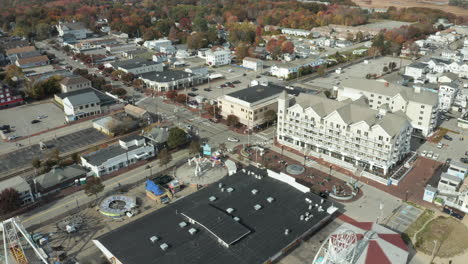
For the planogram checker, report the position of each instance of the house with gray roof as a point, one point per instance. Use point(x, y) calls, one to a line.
point(21, 186)
point(81, 105)
point(420, 106)
point(347, 133)
point(128, 151)
point(57, 178)
point(77, 29)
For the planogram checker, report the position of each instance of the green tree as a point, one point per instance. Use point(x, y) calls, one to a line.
point(242, 51)
point(93, 186)
point(177, 137)
point(200, 24)
point(359, 36)
point(42, 31)
point(75, 157)
point(54, 154)
point(392, 65)
point(9, 200)
point(222, 148)
point(232, 120)
point(194, 147)
point(164, 157)
point(385, 69)
point(36, 163)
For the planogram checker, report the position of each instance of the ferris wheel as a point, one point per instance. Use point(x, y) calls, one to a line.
point(17, 245)
point(338, 248)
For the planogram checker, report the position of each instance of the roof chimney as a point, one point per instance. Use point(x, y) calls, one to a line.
point(386, 84)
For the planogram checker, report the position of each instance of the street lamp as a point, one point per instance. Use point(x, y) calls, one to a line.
point(151, 171)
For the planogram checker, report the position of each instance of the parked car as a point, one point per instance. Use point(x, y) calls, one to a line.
point(41, 117)
point(424, 153)
point(223, 85)
point(429, 154)
point(232, 85)
point(194, 89)
point(236, 82)
point(233, 139)
point(244, 74)
point(4, 127)
point(447, 137)
point(436, 156)
point(258, 76)
point(192, 94)
point(13, 137)
point(207, 90)
point(464, 160)
point(448, 160)
point(440, 145)
point(453, 212)
point(189, 127)
point(466, 153)
point(35, 121)
point(213, 120)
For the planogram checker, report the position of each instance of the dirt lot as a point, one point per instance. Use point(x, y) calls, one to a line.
point(440, 4)
point(450, 234)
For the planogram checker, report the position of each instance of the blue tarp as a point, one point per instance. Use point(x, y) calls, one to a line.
point(153, 187)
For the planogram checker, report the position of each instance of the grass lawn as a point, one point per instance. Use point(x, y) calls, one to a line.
point(451, 236)
point(419, 223)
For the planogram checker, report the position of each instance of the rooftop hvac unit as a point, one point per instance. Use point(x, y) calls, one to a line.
point(220, 185)
point(153, 239)
point(212, 198)
point(257, 207)
point(301, 217)
point(192, 231)
point(286, 231)
point(164, 246)
point(237, 219)
point(230, 210)
point(270, 199)
point(182, 224)
point(229, 189)
point(254, 191)
point(222, 189)
point(308, 200)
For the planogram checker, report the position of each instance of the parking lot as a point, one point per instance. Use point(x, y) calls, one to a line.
point(23, 157)
point(374, 66)
point(455, 148)
point(20, 118)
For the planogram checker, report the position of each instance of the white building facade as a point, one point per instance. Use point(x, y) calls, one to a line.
point(129, 151)
point(447, 94)
point(81, 106)
point(347, 134)
point(252, 63)
point(218, 57)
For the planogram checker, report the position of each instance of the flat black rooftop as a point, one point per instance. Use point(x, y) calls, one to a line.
point(258, 92)
point(260, 233)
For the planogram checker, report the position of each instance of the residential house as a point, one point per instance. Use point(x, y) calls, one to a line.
point(107, 102)
point(218, 57)
point(118, 34)
point(168, 50)
point(449, 184)
point(346, 133)
point(8, 97)
point(157, 44)
point(160, 57)
point(343, 43)
point(296, 32)
point(158, 136)
point(458, 169)
point(77, 29)
point(21, 186)
point(137, 112)
point(461, 100)
point(22, 53)
point(73, 83)
point(447, 94)
point(260, 52)
point(448, 77)
point(251, 104)
point(450, 54)
point(57, 178)
point(81, 105)
point(416, 70)
point(32, 62)
point(420, 106)
point(302, 52)
point(128, 151)
point(253, 64)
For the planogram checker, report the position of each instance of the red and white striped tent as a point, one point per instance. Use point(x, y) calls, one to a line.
point(377, 244)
